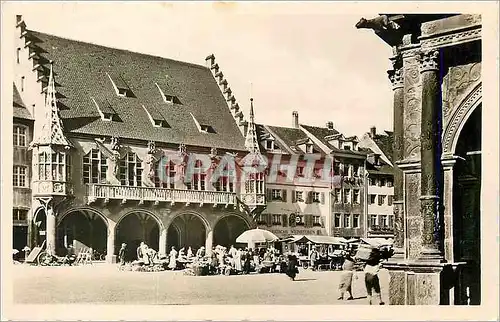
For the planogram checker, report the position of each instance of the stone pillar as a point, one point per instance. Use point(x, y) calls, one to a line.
point(429, 200)
point(51, 230)
point(209, 242)
point(162, 248)
point(110, 247)
point(396, 77)
point(448, 163)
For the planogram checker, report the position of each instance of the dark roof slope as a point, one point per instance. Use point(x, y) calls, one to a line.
point(321, 132)
point(384, 142)
point(19, 109)
point(288, 135)
point(82, 71)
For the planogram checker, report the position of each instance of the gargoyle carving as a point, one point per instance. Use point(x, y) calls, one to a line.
point(378, 24)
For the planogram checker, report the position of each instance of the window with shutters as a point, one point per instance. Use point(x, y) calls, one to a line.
point(20, 135)
point(316, 220)
point(382, 182)
point(276, 220)
point(373, 182)
point(167, 175)
point(300, 171)
point(355, 221)
point(347, 195)
point(338, 196)
point(299, 196)
point(355, 196)
point(373, 220)
point(131, 170)
point(372, 199)
point(277, 194)
point(383, 221)
point(390, 183)
point(316, 197)
point(19, 176)
point(347, 221)
point(391, 221)
point(337, 223)
point(381, 200)
point(390, 200)
point(261, 219)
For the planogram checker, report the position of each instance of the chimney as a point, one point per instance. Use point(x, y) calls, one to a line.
point(373, 131)
point(295, 115)
point(210, 60)
point(329, 125)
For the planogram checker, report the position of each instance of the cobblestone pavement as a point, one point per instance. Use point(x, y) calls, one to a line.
point(105, 284)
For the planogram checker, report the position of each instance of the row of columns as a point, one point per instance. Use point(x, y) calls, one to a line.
point(429, 199)
point(111, 236)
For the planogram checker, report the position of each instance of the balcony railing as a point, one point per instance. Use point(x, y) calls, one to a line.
point(157, 195)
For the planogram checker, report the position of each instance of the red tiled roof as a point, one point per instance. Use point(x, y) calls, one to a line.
point(82, 71)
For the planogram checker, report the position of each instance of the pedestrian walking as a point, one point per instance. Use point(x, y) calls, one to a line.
point(372, 282)
point(314, 256)
point(292, 270)
point(121, 254)
point(345, 286)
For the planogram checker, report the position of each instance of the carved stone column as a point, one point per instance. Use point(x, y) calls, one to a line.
point(396, 77)
point(51, 231)
point(110, 245)
point(429, 200)
point(448, 163)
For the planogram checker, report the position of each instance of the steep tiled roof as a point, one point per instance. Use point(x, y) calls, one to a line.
point(321, 132)
point(384, 142)
point(82, 71)
point(288, 135)
point(19, 109)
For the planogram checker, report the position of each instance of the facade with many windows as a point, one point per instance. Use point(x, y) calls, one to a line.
point(21, 171)
point(126, 148)
point(380, 183)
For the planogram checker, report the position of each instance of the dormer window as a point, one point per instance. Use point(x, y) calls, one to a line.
point(156, 118)
point(167, 93)
point(17, 54)
point(269, 145)
point(309, 148)
point(105, 110)
point(121, 87)
point(203, 128)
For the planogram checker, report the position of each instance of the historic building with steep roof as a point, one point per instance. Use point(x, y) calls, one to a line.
point(126, 148)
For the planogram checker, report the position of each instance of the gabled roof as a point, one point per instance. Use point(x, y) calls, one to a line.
point(384, 142)
point(19, 109)
point(321, 133)
point(82, 71)
point(292, 137)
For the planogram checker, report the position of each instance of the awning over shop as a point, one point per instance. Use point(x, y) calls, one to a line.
point(326, 240)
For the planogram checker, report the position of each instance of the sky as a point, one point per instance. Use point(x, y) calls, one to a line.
point(290, 57)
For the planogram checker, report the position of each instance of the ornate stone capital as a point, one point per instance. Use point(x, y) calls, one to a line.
point(429, 60)
point(396, 78)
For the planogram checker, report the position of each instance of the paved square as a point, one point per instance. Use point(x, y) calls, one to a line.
point(105, 284)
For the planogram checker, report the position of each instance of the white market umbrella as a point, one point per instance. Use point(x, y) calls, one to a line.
point(257, 235)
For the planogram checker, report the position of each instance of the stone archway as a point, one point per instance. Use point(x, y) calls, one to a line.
point(135, 227)
point(466, 207)
point(228, 228)
point(187, 230)
point(84, 229)
point(39, 227)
